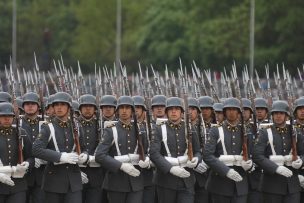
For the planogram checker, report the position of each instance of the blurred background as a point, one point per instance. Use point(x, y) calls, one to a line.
point(213, 33)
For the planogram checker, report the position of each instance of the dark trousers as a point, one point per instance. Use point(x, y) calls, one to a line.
point(19, 197)
point(92, 195)
point(70, 197)
point(125, 197)
point(35, 194)
point(227, 199)
point(289, 198)
point(255, 196)
point(149, 194)
point(166, 195)
point(201, 194)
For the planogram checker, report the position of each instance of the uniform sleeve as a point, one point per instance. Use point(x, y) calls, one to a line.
point(27, 149)
point(209, 154)
point(40, 149)
point(196, 146)
point(102, 152)
point(259, 156)
point(155, 152)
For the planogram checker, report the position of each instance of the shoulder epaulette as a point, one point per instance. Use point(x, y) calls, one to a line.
point(265, 125)
point(109, 124)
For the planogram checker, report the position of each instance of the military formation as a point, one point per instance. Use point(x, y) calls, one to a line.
point(152, 138)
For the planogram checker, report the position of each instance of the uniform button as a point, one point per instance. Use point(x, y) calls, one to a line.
point(129, 141)
point(88, 131)
point(177, 147)
point(6, 133)
point(284, 143)
point(9, 151)
point(233, 151)
point(66, 139)
point(33, 136)
point(177, 140)
point(283, 137)
point(9, 146)
point(8, 139)
point(9, 157)
point(33, 130)
point(176, 134)
point(233, 143)
point(67, 167)
point(87, 137)
point(233, 136)
point(88, 143)
point(128, 135)
point(67, 147)
point(284, 150)
point(129, 147)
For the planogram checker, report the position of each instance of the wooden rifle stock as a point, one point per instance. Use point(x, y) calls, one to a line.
point(75, 133)
point(138, 133)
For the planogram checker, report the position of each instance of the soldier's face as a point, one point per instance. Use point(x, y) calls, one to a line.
point(193, 112)
point(279, 118)
point(108, 111)
point(158, 111)
point(87, 111)
point(30, 108)
point(246, 114)
point(61, 109)
point(261, 113)
point(300, 113)
point(219, 116)
point(50, 111)
point(232, 114)
point(206, 113)
point(174, 114)
point(125, 112)
point(139, 111)
point(6, 121)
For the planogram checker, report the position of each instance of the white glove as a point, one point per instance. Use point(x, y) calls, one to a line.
point(82, 158)
point(179, 172)
point(297, 163)
point(69, 158)
point(233, 175)
point(246, 165)
point(92, 162)
point(5, 179)
point(201, 167)
point(84, 178)
point(39, 162)
point(301, 180)
point(145, 163)
point(129, 169)
point(282, 170)
point(192, 163)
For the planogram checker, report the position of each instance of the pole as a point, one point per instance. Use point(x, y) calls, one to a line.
point(251, 36)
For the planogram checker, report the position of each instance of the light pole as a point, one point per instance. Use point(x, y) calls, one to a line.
point(251, 36)
point(14, 35)
point(118, 32)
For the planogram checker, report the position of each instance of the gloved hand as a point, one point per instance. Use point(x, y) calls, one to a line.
point(22, 168)
point(84, 178)
point(301, 180)
point(202, 167)
point(233, 175)
point(297, 163)
point(179, 172)
point(92, 162)
point(145, 163)
point(69, 158)
point(246, 165)
point(5, 179)
point(39, 162)
point(282, 170)
point(192, 163)
point(82, 158)
point(129, 169)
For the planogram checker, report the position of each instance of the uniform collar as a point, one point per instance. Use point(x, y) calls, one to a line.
point(175, 126)
point(232, 128)
point(125, 125)
point(6, 131)
point(281, 130)
point(86, 122)
point(32, 121)
point(63, 124)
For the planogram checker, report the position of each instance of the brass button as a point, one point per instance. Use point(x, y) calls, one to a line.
point(233, 136)
point(129, 147)
point(67, 147)
point(8, 139)
point(33, 130)
point(87, 137)
point(129, 141)
point(233, 143)
point(9, 146)
point(88, 131)
point(67, 167)
point(9, 151)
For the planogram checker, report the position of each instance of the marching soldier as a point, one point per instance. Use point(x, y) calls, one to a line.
point(227, 181)
point(206, 106)
point(49, 110)
point(218, 112)
point(158, 105)
point(118, 154)
point(261, 109)
point(19, 103)
point(88, 128)
point(272, 152)
point(75, 105)
point(174, 176)
point(149, 188)
point(299, 127)
point(30, 123)
point(254, 177)
point(201, 195)
point(5, 97)
point(13, 184)
point(62, 180)
point(108, 105)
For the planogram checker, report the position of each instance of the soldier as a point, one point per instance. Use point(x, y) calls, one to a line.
point(30, 123)
point(108, 105)
point(261, 109)
point(149, 187)
point(75, 105)
point(201, 195)
point(218, 112)
point(62, 181)
point(299, 127)
point(254, 177)
point(49, 110)
point(206, 106)
point(13, 184)
point(117, 152)
point(227, 181)
point(19, 103)
point(89, 131)
point(174, 176)
point(272, 152)
point(158, 105)
point(5, 97)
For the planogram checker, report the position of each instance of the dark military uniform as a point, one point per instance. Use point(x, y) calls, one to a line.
point(222, 188)
point(92, 191)
point(34, 177)
point(60, 182)
point(171, 188)
point(9, 157)
point(120, 186)
point(273, 184)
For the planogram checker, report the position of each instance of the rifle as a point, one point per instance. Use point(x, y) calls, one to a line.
point(75, 132)
point(252, 96)
point(99, 129)
point(39, 86)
